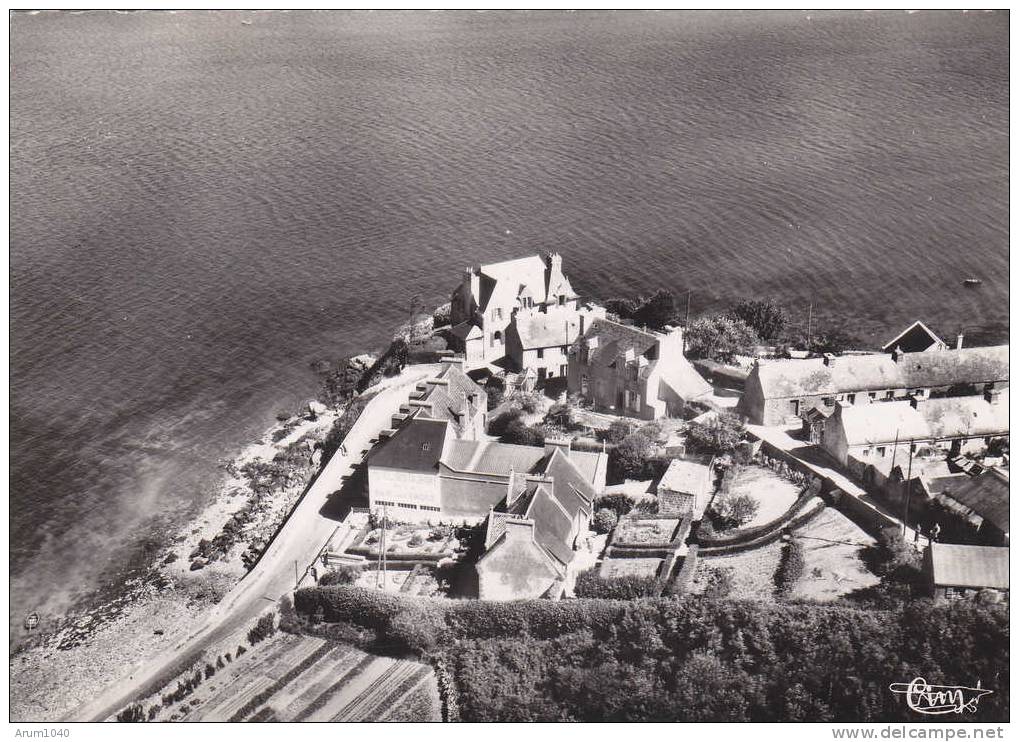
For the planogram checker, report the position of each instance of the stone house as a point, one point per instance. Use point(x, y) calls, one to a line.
point(634, 372)
point(518, 314)
point(869, 434)
point(531, 534)
point(983, 500)
point(959, 571)
point(423, 471)
point(778, 392)
point(686, 487)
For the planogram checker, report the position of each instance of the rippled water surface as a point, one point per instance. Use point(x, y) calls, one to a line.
point(201, 206)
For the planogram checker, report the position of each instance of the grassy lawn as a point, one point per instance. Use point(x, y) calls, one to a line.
point(774, 494)
point(831, 545)
point(753, 572)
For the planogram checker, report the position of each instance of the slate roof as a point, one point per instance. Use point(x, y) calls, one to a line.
point(915, 338)
point(882, 422)
point(447, 400)
point(416, 446)
point(548, 329)
point(552, 524)
point(686, 475)
point(680, 375)
point(945, 417)
point(852, 373)
point(986, 494)
point(970, 416)
point(961, 565)
point(614, 339)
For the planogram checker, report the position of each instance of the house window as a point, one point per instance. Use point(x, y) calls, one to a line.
point(872, 395)
point(794, 405)
point(541, 352)
point(890, 394)
point(497, 313)
point(865, 452)
point(583, 385)
point(562, 300)
point(881, 451)
point(429, 507)
point(828, 401)
point(562, 369)
point(564, 349)
point(407, 505)
point(496, 338)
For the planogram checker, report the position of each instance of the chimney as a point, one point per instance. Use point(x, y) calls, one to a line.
point(992, 395)
point(473, 281)
point(449, 358)
point(515, 487)
point(916, 400)
point(397, 419)
point(897, 354)
point(829, 359)
point(958, 341)
point(555, 262)
point(562, 444)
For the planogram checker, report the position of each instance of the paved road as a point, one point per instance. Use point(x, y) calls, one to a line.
point(298, 542)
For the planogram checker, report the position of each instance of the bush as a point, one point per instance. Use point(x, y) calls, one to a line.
point(342, 425)
point(440, 317)
point(133, 713)
point(521, 434)
point(416, 540)
point(604, 520)
point(630, 459)
point(345, 574)
point(591, 585)
point(263, 629)
point(619, 503)
point(618, 429)
point(497, 425)
point(721, 434)
point(718, 582)
point(733, 511)
point(790, 568)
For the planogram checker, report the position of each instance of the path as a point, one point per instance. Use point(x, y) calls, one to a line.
point(294, 548)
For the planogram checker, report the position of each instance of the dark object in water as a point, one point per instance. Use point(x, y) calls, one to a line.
point(972, 282)
point(158, 632)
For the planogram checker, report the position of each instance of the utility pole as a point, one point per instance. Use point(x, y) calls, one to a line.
point(909, 490)
point(810, 322)
point(297, 580)
point(895, 448)
point(380, 569)
point(686, 322)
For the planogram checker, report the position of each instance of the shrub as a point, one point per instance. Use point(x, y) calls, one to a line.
point(498, 424)
point(440, 317)
point(133, 713)
point(414, 629)
point(342, 425)
point(416, 540)
point(718, 582)
point(629, 459)
point(732, 511)
point(495, 388)
point(263, 629)
point(722, 434)
point(604, 520)
point(522, 434)
point(790, 568)
point(345, 574)
point(619, 503)
point(618, 429)
point(591, 585)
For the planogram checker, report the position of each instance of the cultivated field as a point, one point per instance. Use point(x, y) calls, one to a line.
point(297, 678)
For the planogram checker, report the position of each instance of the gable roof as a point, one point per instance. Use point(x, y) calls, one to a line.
point(684, 380)
point(916, 338)
point(856, 373)
point(552, 524)
point(961, 565)
point(416, 446)
point(881, 422)
point(966, 416)
point(450, 398)
point(692, 476)
point(614, 339)
point(558, 326)
point(985, 494)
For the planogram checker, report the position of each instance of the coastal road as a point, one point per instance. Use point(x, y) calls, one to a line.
point(298, 542)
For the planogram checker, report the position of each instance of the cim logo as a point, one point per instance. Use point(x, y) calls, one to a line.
point(939, 699)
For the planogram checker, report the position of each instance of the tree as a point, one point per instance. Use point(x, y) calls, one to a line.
point(522, 434)
point(604, 520)
point(657, 311)
point(619, 429)
point(835, 340)
point(720, 435)
point(719, 338)
point(764, 317)
point(345, 574)
point(629, 460)
point(617, 502)
point(624, 308)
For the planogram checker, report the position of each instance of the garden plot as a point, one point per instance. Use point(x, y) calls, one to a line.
point(408, 540)
point(774, 494)
point(645, 531)
point(832, 564)
point(296, 678)
point(753, 572)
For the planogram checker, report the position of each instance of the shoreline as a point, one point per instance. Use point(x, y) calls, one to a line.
point(162, 600)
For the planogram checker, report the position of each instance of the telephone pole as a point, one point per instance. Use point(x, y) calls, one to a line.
point(810, 322)
point(909, 491)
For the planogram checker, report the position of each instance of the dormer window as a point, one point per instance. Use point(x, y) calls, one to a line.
point(426, 446)
point(562, 301)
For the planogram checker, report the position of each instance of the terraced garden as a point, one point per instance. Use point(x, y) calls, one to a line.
point(299, 678)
